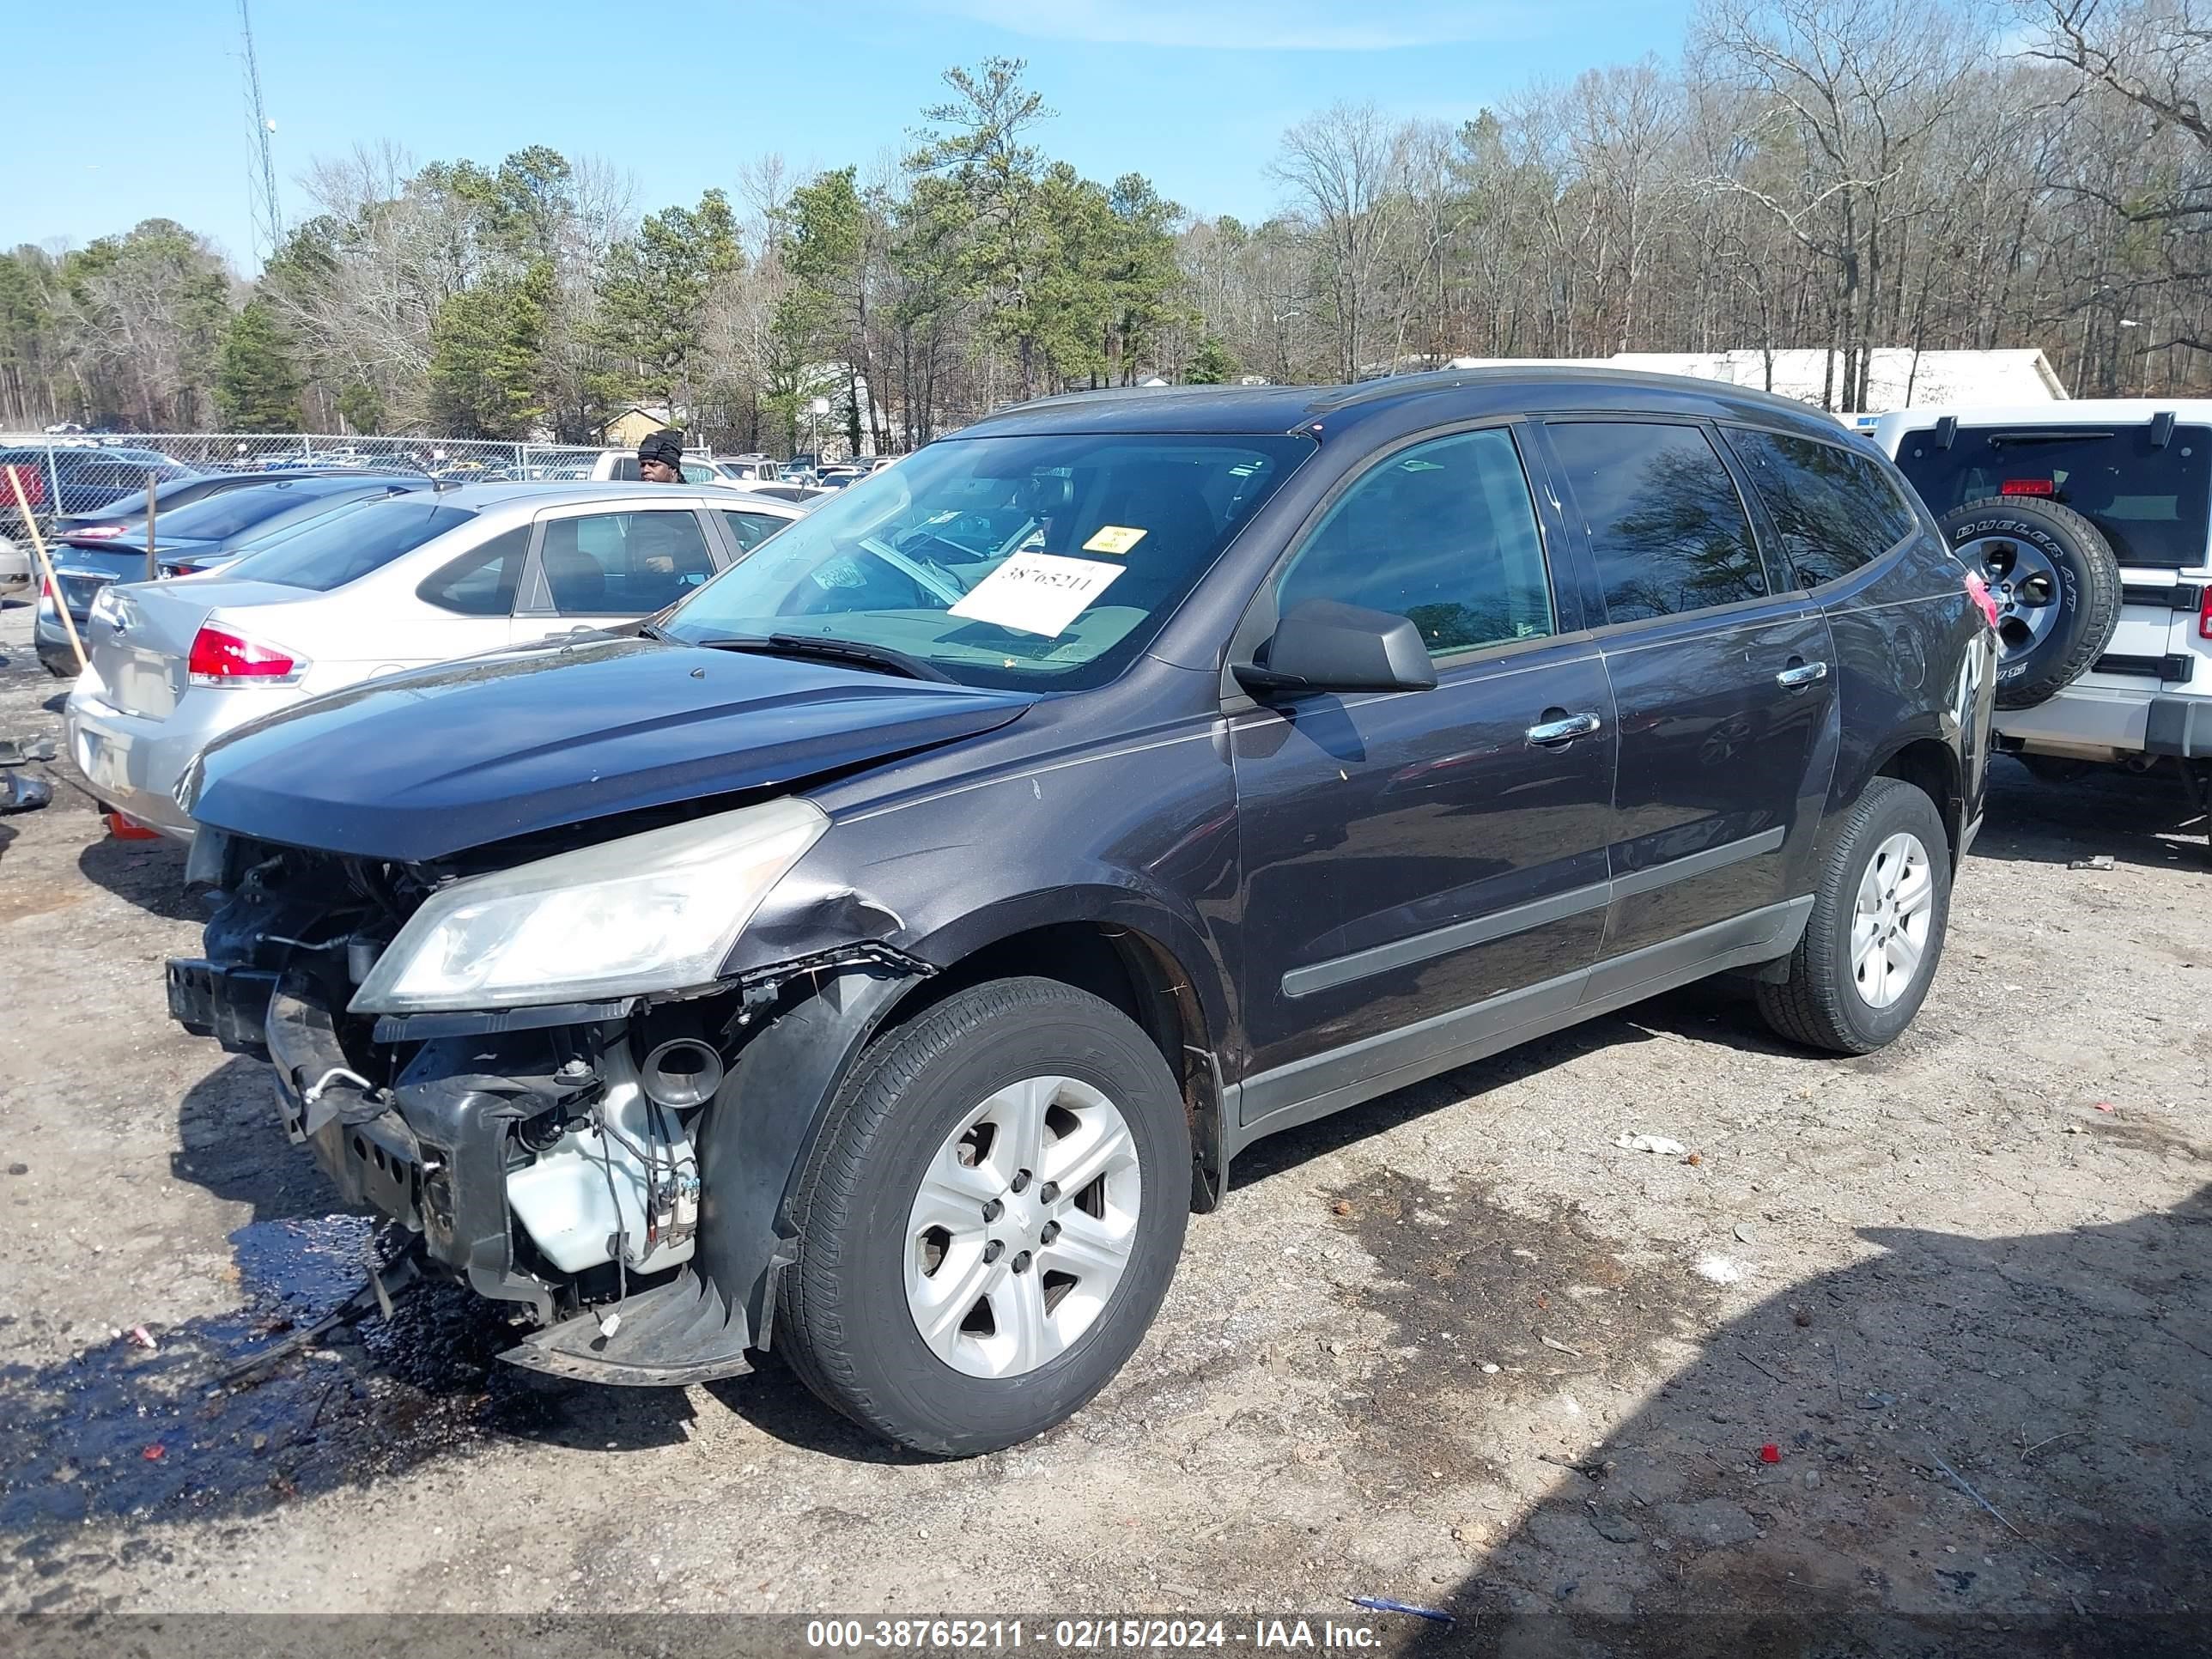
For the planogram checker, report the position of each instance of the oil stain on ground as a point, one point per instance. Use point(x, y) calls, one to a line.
point(118, 1432)
point(1467, 1282)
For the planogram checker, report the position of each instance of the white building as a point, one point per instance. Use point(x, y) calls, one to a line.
point(1901, 375)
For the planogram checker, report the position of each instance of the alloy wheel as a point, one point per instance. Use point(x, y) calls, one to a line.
point(1022, 1226)
point(2025, 583)
point(1890, 919)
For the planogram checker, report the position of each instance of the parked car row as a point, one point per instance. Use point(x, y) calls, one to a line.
point(878, 952)
point(375, 581)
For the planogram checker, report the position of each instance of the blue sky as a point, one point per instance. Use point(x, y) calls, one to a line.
point(135, 108)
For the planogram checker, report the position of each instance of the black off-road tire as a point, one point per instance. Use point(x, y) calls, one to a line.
point(842, 1318)
point(2088, 599)
point(2055, 768)
point(1818, 1004)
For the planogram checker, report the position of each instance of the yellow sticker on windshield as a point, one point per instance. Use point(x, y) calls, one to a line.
point(1113, 538)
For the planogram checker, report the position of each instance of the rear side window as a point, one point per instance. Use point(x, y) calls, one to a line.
point(344, 547)
point(483, 581)
point(2149, 500)
point(1442, 534)
point(1835, 510)
point(1666, 526)
point(624, 564)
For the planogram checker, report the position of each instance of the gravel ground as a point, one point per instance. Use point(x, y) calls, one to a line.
point(1917, 1347)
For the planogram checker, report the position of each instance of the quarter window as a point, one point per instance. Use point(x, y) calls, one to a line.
point(1442, 534)
point(624, 564)
point(752, 529)
point(1667, 530)
point(1836, 511)
point(483, 581)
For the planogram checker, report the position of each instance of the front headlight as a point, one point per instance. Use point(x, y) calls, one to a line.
point(653, 911)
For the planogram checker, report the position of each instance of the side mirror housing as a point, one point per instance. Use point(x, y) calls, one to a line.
point(1324, 645)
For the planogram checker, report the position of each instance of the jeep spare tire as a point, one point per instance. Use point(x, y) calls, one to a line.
point(2057, 584)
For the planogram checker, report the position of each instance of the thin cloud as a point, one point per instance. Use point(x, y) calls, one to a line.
point(1252, 25)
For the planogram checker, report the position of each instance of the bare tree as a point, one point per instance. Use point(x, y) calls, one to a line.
point(1345, 168)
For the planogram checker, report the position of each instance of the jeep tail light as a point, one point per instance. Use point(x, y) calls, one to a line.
point(2028, 487)
point(2204, 614)
point(219, 657)
point(1984, 601)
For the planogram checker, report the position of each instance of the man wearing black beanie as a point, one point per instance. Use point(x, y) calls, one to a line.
point(660, 457)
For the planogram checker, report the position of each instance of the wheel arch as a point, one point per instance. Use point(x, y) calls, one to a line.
point(1931, 766)
point(1144, 960)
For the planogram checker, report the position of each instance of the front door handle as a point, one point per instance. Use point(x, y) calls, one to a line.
point(1800, 674)
point(1565, 729)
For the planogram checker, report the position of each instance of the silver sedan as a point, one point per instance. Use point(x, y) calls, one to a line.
point(381, 587)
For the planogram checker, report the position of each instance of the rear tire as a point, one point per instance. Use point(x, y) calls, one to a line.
point(904, 1194)
point(1846, 992)
point(2056, 583)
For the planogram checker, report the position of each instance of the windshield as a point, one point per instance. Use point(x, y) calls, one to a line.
point(1004, 561)
point(2150, 501)
point(345, 546)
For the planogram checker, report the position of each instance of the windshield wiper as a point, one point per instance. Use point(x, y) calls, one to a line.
point(816, 645)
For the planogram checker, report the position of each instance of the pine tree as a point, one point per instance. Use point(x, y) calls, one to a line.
point(257, 387)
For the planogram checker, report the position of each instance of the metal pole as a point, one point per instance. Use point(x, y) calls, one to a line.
point(152, 572)
point(38, 547)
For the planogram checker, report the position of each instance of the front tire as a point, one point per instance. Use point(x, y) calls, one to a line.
point(989, 1219)
point(1872, 944)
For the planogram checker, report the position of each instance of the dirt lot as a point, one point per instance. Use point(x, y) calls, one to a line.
point(1455, 1348)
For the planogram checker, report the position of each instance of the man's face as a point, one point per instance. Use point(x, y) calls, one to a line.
point(658, 473)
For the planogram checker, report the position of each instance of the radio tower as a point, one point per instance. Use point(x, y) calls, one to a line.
point(268, 224)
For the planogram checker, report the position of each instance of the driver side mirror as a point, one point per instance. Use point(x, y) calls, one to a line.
point(1322, 645)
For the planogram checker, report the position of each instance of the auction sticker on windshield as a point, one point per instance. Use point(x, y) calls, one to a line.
point(1038, 592)
point(1113, 538)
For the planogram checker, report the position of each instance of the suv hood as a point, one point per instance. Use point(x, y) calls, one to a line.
point(419, 766)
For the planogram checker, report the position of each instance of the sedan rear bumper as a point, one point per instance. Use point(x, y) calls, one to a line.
point(131, 762)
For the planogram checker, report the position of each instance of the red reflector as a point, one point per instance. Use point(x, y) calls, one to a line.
point(218, 655)
point(123, 829)
point(2028, 487)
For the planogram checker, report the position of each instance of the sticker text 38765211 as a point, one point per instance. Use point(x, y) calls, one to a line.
point(1038, 592)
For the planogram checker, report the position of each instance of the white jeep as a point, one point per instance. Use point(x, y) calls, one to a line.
point(2091, 522)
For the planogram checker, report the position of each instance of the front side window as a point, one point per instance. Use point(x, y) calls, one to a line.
point(624, 564)
point(1835, 510)
point(1048, 560)
point(1666, 526)
point(483, 581)
point(698, 472)
point(1443, 533)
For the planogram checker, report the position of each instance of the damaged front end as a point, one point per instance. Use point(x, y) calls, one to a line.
point(484, 1056)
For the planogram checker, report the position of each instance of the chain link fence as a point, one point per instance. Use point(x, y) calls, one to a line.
point(65, 476)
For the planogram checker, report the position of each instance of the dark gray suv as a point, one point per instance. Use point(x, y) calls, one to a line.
point(877, 957)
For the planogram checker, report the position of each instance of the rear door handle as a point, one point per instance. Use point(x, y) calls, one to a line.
point(1802, 674)
point(1565, 730)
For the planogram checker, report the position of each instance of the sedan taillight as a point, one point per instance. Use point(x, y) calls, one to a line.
point(219, 657)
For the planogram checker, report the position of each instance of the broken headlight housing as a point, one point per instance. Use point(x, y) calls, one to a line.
point(652, 912)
